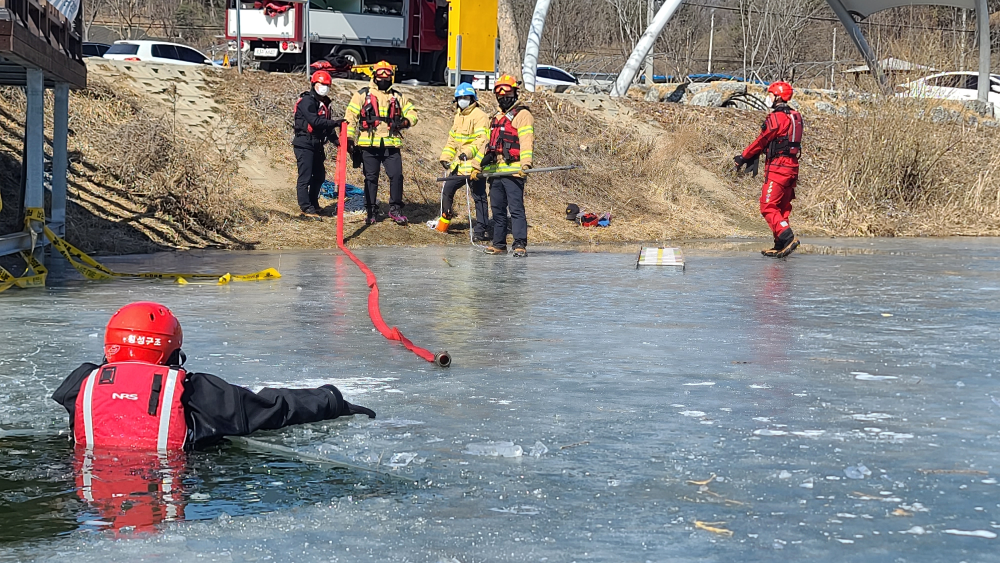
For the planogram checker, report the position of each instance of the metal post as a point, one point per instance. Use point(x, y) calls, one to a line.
point(711, 43)
point(305, 24)
point(649, 59)
point(983, 23)
point(534, 42)
point(239, 40)
point(643, 47)
point(859, 40)
point(60, 163)
point(458, 60)
point(34, 194)
point(833, 59)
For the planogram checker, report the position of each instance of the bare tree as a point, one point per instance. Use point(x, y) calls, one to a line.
point(510, 44)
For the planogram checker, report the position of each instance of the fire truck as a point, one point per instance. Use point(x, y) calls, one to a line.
point(410, 34)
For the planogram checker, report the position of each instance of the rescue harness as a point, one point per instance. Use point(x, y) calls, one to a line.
point(369, 118)
point(789, 144)
point(504, 140)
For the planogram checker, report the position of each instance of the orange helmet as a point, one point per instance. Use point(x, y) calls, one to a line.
point(143, 332)
point(322, 77)
point(781, 91)
point(504, 85)
point(383, 68)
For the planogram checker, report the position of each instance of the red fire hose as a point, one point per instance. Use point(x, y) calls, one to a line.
point(442, 359)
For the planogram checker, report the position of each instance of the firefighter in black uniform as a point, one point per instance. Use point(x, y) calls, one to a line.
point(313, 128)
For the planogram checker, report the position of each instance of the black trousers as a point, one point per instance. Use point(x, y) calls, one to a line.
point(479, 199)
point(374, 158)
point(508, 194)
point(310, 157)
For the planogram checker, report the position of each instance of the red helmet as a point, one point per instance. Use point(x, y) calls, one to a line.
point(321, 76)
point(143, 332)
point(781, 91)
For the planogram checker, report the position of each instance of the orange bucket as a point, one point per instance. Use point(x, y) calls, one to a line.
point(443, 224)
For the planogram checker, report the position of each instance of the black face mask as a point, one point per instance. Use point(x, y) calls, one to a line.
point(383, 85)
point(507, 102)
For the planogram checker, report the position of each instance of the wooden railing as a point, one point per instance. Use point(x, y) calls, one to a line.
point(42, 20)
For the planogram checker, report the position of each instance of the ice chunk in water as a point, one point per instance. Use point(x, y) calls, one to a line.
point(538, 450)
point(402, 459)
point(857, 472)
point(494, 449)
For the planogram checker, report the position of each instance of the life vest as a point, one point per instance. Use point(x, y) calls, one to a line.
point(301, 125)
point(131, 405)
point(369, 118)
point(789, 144)
point(504, 140)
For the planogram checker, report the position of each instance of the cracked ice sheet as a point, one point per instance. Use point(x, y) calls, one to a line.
point(535, 368)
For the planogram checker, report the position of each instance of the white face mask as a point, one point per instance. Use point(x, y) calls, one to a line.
point(464, 102)
point(769, 101)
point(322, 89)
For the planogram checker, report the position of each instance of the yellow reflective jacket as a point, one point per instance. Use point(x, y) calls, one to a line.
point(469, 135)
point(525, 125)
point(381, 135)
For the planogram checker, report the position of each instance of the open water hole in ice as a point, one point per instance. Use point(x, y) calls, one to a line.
point(779, 378)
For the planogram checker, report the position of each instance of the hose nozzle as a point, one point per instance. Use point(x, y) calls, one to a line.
point(442, 359)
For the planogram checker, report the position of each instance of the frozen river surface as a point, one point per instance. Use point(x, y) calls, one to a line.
point(831, 407)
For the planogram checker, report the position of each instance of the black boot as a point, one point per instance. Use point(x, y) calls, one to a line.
point(771, 252)
point(371, 215)
point(788, 241)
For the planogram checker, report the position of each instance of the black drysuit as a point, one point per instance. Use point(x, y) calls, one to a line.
point(214, 409)
point(313, 127)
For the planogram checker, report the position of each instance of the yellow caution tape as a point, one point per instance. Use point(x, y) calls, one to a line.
point(94, 270)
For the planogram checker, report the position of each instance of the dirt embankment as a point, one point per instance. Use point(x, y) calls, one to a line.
point(167, 159)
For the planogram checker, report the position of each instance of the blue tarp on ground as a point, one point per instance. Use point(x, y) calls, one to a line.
point(355, 196)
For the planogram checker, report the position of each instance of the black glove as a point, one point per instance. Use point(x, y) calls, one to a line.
point(739, 160)
point(463, 157)
point(350, 145)
point(445, 164)
point(357, 409)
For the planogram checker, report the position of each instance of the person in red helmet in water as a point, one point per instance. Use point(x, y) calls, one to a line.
point(780, 141)
point(142, 398)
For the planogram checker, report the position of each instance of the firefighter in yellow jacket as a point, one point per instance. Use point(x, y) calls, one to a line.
point(508, 151)
point(376, 117)
point(467, 141)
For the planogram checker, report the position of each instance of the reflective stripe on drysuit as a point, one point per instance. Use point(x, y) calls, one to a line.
point(512, 136)
point(468, 136)
point(376, 130)
point(780, 139)
point(131, 404)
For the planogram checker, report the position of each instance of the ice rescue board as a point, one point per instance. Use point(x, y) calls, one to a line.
point(654, 256)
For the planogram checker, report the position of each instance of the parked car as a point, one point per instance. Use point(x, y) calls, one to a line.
point(958, 86)
point(95, 49)
point(546, 75)
point(156, 52)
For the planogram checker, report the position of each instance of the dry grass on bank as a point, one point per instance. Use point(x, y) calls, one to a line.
point(135, 184)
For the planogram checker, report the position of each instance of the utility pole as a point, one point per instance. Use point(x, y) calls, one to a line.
point(711, 42)
point(649, 59)
point(239, 39)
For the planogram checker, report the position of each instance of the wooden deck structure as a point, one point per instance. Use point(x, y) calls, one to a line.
point(41, 48)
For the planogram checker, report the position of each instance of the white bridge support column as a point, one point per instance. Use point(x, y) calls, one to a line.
point(60, 162)
point(530, 64)
point(34, 138)
point(642, 48)
point(983, 23)
point(859, 40)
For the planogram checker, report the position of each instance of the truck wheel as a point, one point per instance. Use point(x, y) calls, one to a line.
point(354, 55)
point(440, 70)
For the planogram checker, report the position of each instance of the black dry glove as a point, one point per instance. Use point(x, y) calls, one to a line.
point(463, 157)
point(357, 409)
point(350, 409)
point(445, 164)
point(350, 146)
point(739, 160)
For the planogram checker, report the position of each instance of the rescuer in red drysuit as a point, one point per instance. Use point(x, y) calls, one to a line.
point(141, 398)
point(780, 141)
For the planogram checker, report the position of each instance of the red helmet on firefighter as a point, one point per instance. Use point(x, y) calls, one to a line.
point(321, 76)
point(781, 91)
point(144, 332)
point(504, 85)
